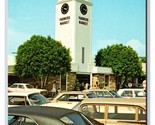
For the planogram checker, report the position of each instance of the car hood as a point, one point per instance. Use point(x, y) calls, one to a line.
point(60, 105)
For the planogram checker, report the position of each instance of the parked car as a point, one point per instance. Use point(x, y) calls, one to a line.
point(103, 93)
point(26, 98)
point(37, 115)
point(136, 93)
point(134, 85)
point(69, 99)
point(115, 111)
point(25, 87)
point(64, 99)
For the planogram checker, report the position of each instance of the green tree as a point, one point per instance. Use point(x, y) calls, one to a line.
point(41, 57)
point(123, 60)
point(143, 59)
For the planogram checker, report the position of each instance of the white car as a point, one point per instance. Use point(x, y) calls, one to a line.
point(104, 93)
point(65, 99)
point(135, 93)
point(19, 87)
point(26, 98)
point(115, 111)
point(69, 99)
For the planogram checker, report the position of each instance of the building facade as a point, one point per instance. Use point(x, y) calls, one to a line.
point(74, 30)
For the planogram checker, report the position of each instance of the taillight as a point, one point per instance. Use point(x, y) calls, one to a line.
point(9, 91)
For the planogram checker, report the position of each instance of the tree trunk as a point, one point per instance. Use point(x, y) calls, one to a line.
point(45, 81)
point(42, 82)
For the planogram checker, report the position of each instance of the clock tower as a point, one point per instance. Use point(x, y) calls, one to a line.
point(74, 30)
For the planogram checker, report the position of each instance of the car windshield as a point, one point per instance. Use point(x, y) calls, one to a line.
point(29, 86)
point(37, 99)
point(115, 94)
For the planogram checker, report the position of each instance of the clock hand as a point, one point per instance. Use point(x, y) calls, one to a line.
point(84, 9)
point(65, 8)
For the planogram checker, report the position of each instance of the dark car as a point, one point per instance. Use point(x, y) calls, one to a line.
point(39, 115)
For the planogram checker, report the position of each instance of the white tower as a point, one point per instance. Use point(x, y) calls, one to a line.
point(74, 30)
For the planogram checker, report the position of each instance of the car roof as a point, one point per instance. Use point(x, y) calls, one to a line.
point(43, 111)
point(121, 101)
point(21, 93)
point(97, 90)
point(131, 89)
point(21, 84)
point(74, 92)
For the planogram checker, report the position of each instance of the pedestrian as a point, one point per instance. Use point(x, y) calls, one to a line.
point(97, 85)
point(82, 86)
point(144, 84)
point(86, 86)
point(54, 89)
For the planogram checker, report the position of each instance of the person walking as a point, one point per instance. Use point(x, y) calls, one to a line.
point(54, 89)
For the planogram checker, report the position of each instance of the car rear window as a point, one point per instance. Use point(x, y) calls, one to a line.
point(115, 94)
point(91, 95)
point(13, 86)
point(30, 86)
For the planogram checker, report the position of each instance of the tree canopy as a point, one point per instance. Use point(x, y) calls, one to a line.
point(42, 57)
point(122, 59)
point(143, 59)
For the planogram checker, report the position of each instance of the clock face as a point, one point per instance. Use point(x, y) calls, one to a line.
point(64, 8)
point(83, 9)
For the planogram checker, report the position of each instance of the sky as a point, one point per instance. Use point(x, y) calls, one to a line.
point(113, 22)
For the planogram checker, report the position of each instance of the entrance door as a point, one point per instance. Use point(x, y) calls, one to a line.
point(82, 78)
